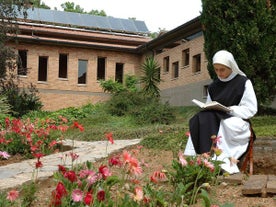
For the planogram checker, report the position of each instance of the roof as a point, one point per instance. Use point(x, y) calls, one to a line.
point(170, 39)
point(87, 21)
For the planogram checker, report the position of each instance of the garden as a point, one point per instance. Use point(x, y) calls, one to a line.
point(154, 173)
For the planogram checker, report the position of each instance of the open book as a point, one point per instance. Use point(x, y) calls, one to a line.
point(211, 105)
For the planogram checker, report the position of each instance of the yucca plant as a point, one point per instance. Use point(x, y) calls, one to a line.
point(150, 78)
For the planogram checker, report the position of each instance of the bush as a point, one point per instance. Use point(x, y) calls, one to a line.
point(144, 109)
point(22, 101)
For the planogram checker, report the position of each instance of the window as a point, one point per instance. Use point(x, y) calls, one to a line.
point(42, 68)
point(186, 57)
point(196, 63)
point(205, 91)
point(166, 63)
point(82, 71)
point(159, 73)
point(22, 62)
point(62, 72)
point(101, 68)
point(175, 67)
point(119, 72)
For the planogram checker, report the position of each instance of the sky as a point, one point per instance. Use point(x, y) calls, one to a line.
point(155, 13)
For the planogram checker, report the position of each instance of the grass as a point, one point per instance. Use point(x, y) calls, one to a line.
point(157, 136)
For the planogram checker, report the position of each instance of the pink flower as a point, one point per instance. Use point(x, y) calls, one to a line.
point(77, 195)
point(4, 154)
point(209, 165)
point(85, 173)
point(134, 167)
point(138, 193)
point(126, 156)
point(216, 139)
point(74, 156)
point(12, 195)
point(91, 179)
point(182, 160)
point(158, 176)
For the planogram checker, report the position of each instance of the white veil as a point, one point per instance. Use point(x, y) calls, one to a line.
point(226, 58)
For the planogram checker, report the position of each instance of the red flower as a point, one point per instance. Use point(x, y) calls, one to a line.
point(53, 143)
point(7, 122)
point(60, 189)
point(38, 155)
point(109, 136)
point(88, 199)
point(57, 194)
point(62, 169)
point(101, 195)
point(38, 164)
point(104, 171)
point(115, 161)
point(71, 175)
point(77, 125)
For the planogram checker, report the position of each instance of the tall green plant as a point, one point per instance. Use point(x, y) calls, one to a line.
point(150, 77)
point(5, 108)
point(247, 29)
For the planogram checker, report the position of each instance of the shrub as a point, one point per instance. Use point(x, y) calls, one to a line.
point(144, 109)
point(22, 101)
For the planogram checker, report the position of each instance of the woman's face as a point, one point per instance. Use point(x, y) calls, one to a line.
point(222, 71)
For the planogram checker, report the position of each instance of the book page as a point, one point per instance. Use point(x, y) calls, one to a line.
point(213, 105)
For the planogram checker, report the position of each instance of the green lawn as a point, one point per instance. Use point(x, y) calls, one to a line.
point(169, 137)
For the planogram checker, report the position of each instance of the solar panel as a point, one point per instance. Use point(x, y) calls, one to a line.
point(141, 26)
point(129, 25)
point(115, 23)
point(43, 14)
point(86, 20)
point(74, 18)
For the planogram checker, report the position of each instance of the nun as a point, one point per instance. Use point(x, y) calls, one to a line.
point(233, 89)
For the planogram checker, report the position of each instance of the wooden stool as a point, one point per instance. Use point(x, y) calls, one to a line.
point(247, 159)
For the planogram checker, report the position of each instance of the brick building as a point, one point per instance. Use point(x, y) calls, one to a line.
point(66, 54)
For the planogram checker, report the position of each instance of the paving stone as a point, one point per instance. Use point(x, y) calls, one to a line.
point(16, 174)
point(271, 184)
point(234, 179)
point(255, 185)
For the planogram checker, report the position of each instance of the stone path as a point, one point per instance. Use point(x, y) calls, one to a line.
point(254, 185)
point(16, 174)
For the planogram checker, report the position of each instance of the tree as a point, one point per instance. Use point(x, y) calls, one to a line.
point(71, 7)
point(39, 4)
point(247, 29)
point(150, 77)
point(20, 99)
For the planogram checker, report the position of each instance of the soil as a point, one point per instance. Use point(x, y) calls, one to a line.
point(157, 160)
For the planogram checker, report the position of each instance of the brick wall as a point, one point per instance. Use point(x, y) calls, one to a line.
point(179, 91)
point(58, 93)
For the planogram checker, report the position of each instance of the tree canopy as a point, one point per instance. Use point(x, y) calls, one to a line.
point(247, 29)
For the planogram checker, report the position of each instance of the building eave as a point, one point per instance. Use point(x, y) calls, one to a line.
point(170, 38)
